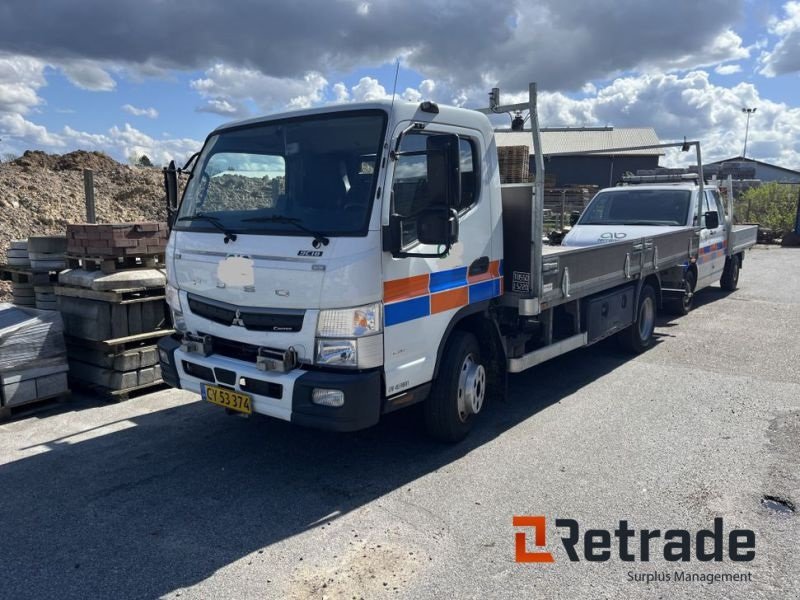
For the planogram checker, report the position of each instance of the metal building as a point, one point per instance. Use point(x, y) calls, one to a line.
point(600, 169)
point(748, 168)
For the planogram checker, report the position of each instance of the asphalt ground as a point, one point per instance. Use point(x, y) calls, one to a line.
point(165, 496)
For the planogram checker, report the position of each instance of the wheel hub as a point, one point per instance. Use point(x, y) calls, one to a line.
point(471, 387)
point(647, 315)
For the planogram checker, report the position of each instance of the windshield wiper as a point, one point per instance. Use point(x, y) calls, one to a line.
point(319, 239)
point(230, 236)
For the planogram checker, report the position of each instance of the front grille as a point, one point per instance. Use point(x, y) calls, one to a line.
point(211, 312)
point(254, 319)
point(225, 376)
point(262, 388)
point(236, 350)
point(198, 371)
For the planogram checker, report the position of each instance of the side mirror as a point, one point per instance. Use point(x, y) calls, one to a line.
point(437, 227)
point(171, 189)
point(712, 219)
point(574, 217)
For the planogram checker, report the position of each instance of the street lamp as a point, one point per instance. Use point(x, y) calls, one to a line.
point(749, 112)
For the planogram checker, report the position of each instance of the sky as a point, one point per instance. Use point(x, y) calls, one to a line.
point(154, 77)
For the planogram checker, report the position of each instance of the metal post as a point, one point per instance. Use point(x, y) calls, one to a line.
point(538, 195)
point(88, 190)
point(563, 208)
point(797, 217)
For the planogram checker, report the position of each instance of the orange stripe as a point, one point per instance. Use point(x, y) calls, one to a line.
point(449, 300)
point(401, 289)
point(494, 268)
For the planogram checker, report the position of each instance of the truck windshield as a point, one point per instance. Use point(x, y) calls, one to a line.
point(631, 206)
point(309, 174)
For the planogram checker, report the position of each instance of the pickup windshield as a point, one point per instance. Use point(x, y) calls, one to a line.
point(308, 174)
point(630, 206)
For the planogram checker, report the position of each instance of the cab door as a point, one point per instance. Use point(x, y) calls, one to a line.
point(421, 294)
point(711, 260)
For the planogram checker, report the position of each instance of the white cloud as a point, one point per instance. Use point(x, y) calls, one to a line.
point(686, 105)
point(785, 56)
point(340, 93)
point(150, 113)
point(87, 75)
point(728, 69)
point(369, 89)
point(20, 79)
point(227, 88)
point(727, 45)
point(16, 127)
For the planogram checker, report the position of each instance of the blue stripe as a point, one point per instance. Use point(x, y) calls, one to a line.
point(484, 290)
point(407, 310)
point(500, 268)
point(446, 280)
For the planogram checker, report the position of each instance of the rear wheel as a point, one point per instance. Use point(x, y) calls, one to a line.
point(730, 275)
point(458, 393)
point(639, 336)
point(681, 306)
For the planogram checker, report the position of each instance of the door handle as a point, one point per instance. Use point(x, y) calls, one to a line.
point(479, 266)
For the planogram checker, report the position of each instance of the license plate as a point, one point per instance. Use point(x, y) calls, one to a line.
point(228, 399)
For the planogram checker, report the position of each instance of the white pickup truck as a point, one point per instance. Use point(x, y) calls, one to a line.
point(635, 211)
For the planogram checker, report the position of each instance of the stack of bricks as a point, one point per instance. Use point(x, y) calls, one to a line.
point(112, 302)
point(117, 239)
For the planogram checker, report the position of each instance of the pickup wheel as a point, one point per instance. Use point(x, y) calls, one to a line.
point(639, 336)
point(681, 306)
point(458, 393)
point(730, 275)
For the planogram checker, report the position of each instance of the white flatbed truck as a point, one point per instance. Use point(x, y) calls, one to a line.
point(332, 265)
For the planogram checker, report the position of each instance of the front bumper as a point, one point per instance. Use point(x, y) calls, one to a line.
point(286, 396)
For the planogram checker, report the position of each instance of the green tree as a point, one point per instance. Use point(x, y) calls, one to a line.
point(144, 161)
point(772, 205)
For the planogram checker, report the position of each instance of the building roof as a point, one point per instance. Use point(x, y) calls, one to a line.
point(578, 139)
point(740, 159)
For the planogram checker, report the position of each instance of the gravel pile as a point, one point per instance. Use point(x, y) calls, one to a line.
point(40, 193)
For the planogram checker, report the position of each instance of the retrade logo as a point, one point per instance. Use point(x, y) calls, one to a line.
point(632, 545)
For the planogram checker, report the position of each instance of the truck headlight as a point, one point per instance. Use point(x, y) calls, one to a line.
point(350, 322)
point(359, 353)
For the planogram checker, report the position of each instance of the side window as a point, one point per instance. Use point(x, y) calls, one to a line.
point(707, 203)
point(470, 174)
point(720, 206)
point(410, 188)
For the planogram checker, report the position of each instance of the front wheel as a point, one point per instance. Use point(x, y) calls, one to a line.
point(681, 306)
point(639, 336)
point(730, 275)
point(458, 393)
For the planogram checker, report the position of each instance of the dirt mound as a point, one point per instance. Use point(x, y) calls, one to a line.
point(40, 193)
point(72, 161)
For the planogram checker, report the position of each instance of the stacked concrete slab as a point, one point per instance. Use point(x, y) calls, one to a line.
point(112, 304)
point(33, 359)
point(32, 268)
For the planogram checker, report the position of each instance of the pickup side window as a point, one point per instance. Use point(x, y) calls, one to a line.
point(410, 188)
point(710, 204)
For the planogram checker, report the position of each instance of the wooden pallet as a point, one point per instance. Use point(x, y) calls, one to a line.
point(131, 342)
point(119, 395)
point(34, 406)
point(120, 296)
point(26, 275)
point(112, 264)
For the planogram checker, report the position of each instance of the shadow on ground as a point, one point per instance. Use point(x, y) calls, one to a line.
point(163, 505)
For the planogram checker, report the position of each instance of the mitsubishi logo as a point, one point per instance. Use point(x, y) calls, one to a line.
point(237, 320)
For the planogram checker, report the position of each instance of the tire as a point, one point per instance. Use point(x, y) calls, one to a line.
point(730, 275)
point(681, 306)
point(459, 392)
point(639, 336)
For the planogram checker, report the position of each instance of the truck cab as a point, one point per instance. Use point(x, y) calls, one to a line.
point(318, 258)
